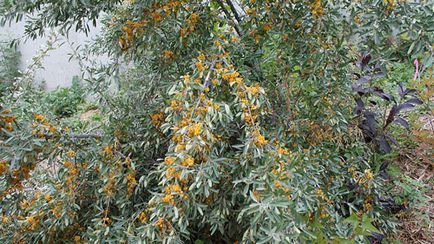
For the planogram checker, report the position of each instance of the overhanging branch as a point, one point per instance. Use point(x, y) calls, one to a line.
point(222, 6)
point(234, 11)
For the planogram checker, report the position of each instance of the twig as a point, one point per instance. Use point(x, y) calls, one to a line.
point(288, 97)
point(93, 128)
point(84, 136)
point(79, 136)
point(206, 84)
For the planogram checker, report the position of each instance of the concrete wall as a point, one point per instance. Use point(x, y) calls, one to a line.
point(58, 69)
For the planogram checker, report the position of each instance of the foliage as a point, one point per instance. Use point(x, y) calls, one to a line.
point(373, 126)
point(9, 62)
point(65, 101)
point(55, 13)
point(231, 123)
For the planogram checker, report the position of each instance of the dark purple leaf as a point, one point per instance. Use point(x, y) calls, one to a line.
point(405, 106)
point(369, 135)
point(391, 116)
point(370, 121)
point(379, 92)
point(402, 122)
point(364, 79)
point(377, 89)
point(384, 165)
point(408, 91)
point(368, 126)
point(390, 138)
point(359, 106)
point(414, 101)
point(377, 67)
point(411, 103)
point(403, 91)
point(383, 170)
point(385, 96)
point(385, 175)
point(375, 238)
point(384, 145)
point(379, 75)
point(361, 91)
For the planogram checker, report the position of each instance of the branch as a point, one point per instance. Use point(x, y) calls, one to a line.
point(234, 11)
point(78, 136)
point(237, 29)
point(206, 85)
point(85, 136)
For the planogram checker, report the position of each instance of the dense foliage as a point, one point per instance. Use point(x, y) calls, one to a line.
point(9, 61)
point(222, 121)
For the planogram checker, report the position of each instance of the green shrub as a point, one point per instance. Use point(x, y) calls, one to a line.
point(65, 101)
point(228, 123)
point(9, 63)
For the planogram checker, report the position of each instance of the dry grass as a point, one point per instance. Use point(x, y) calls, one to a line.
point(417, 225)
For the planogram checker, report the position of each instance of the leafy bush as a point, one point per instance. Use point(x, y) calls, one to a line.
point(65, 101)
point(231, 122)
point(9, 63)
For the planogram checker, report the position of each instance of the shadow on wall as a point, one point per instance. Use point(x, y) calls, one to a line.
point(59, 70)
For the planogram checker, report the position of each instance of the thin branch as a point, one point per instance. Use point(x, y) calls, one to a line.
point(93, 128)
point(237, 29)
point(79, 136)
point(84, 136)
point(206, 84)
point(234, 11)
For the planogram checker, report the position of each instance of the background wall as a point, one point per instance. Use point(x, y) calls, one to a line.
point(58, 69)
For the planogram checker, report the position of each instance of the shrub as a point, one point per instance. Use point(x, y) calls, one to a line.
point(233, 122)
point(9, 62)
point(65, 101)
